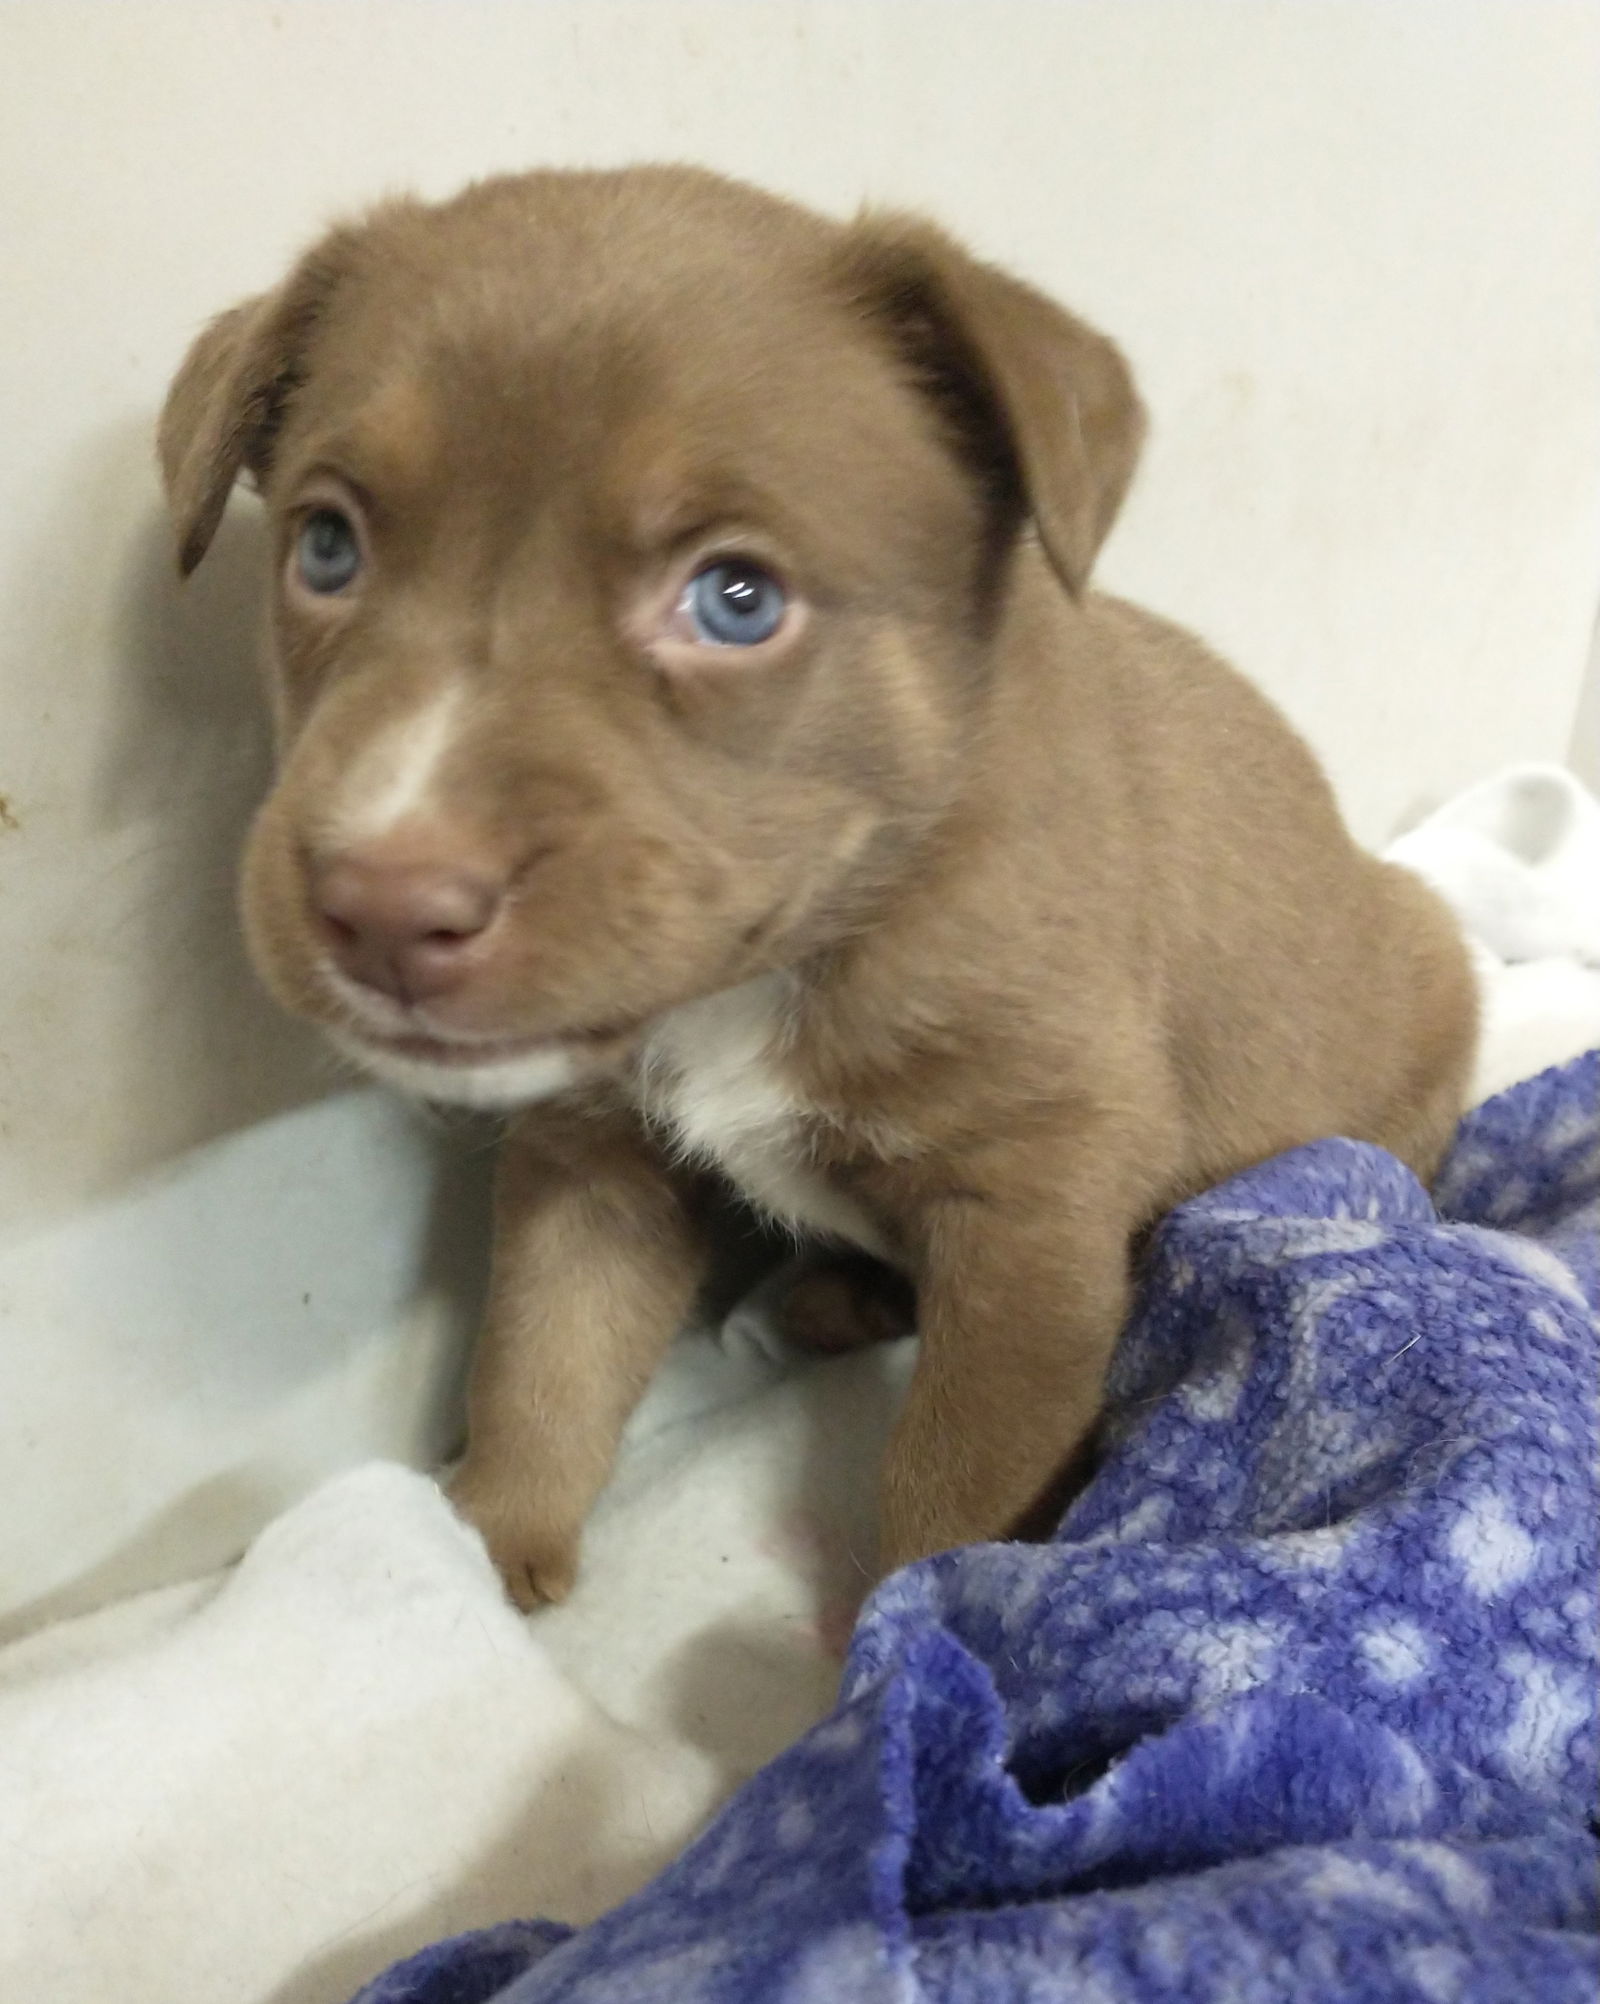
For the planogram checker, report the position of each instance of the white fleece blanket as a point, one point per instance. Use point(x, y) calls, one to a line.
point(266, 1785)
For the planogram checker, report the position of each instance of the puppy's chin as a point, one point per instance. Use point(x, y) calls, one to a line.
point(518, 1078)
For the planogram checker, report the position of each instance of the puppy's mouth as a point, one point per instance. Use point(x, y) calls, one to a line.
point(424, 1048)
point(378, 1026)
point(492, 1073)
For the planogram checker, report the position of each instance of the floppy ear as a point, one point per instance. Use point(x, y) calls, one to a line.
point(1036, 401)
point(227, 400)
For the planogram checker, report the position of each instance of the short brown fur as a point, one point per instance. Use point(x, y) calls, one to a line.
point(1068, 919)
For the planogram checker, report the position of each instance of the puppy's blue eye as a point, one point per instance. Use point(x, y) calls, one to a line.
point(734, 603)
point(328, 554)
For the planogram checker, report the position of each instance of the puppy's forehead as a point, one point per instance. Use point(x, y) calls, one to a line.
point(661, 413)
point(534, 263)
point(528, 267)
point(654, 343)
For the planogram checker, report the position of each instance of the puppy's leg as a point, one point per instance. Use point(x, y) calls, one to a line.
point(1022, 1300)
point(597, 1257)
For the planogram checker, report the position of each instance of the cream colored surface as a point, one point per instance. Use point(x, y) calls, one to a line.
point(1351, 251)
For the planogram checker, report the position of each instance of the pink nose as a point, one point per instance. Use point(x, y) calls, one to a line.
point(406, 929)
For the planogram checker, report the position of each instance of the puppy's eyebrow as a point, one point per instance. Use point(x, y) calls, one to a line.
point(336, 462)
point(667, 517)
point(388, 448)
point(668, 501)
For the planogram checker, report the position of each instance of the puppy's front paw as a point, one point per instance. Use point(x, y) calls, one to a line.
point(537, 1560)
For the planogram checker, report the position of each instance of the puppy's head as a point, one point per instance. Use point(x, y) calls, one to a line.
point(638, 542)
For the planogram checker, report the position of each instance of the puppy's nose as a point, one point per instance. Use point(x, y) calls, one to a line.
point(406, 929)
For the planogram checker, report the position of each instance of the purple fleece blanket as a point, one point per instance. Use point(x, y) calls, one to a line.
point(1300, 1703)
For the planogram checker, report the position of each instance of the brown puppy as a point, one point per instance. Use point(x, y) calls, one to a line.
point(698, 738)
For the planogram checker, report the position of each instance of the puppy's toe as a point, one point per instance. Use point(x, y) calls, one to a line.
point(535, 1569)
point(536, 1561)
point(533, 1579)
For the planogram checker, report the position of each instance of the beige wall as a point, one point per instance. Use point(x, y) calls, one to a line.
point(1351, 250)
point(1584, 754)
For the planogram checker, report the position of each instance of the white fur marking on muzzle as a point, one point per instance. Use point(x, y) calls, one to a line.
point(394, 777)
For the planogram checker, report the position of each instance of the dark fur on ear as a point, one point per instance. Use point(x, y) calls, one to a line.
point(228, 399)
point(1040, 406)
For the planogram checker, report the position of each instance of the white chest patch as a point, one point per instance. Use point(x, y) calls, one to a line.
point(711, 1078)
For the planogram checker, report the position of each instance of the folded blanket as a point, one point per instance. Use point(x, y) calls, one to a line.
point(1301, 1702)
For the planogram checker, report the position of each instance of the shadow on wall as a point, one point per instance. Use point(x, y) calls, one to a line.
point(1584, 757)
